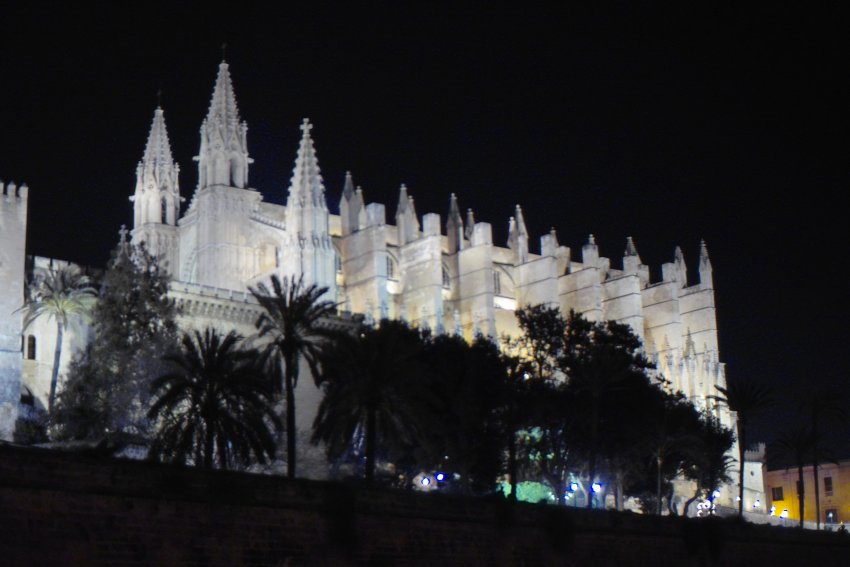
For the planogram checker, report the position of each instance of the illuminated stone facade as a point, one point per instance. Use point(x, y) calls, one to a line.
point(447, 276)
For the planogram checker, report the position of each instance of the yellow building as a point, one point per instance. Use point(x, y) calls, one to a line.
point(834, 484)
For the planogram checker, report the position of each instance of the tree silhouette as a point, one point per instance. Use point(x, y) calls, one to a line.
point(820, 403)
point(215, 408)
point(291, 321)
point(795, 445)
point(372, 387)
point(107, 390)
point(66, 296)
point(746, 398)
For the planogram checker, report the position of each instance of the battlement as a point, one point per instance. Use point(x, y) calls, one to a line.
point(12, 192)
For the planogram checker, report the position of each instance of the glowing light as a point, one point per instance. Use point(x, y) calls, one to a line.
point(440, 477)
point(773, 510)
point(757, 504)
point(573, 486)
point(716, 494)
point(737, 499)
point(596, 487)
point(425, 481)
point(784, 514)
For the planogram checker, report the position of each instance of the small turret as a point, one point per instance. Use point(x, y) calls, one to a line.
point(405, 218)
point(518, 237)
point(590, 252)
point(470, 224)
point(631, 258)
point(706, 277)
point(351, 207)
point(454, 226)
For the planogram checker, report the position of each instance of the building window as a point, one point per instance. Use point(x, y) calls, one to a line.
point(338, 264)
point(776, 493)
point(827, 485)
point(447, 279)
point(31, 347)
point(497, 283)
point(831, 516)
point(390, 268)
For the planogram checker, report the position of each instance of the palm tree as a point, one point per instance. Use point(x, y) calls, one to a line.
point(372, 387)
point(291, 318)
point(215, 408)
point(795, 445)
point(66, 296)
point(746, 398)
point(820, 403)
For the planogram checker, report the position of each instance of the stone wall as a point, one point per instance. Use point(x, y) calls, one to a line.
point(82, 510)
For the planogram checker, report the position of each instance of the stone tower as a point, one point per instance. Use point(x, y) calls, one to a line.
point(215, 235)
point(156, 202)
point(308, 251)
point(13, 230)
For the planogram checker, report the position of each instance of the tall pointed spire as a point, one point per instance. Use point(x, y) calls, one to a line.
point(223, 156)
point(158, 148)
point(306, 187)
point(223, 110)
point(157, 196)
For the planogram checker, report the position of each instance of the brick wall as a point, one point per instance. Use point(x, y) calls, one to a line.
point(66, 509)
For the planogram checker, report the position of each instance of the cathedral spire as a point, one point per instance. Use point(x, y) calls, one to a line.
point(306, 187)
point(158, 148)
point(470, 224)
point(223, 156)
point(157, 196)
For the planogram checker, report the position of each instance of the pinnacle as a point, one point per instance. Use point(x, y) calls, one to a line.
point(223, 109)
point(306, 175)
point(158, 148)
point(631, 249)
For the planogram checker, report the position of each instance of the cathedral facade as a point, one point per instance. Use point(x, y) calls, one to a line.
point(447, 275)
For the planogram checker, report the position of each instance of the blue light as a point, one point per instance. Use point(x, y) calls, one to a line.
point(573, 486)
point(425, 481)
point(596, 487)
point(440, 477)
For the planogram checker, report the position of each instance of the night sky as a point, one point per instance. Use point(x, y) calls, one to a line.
point(668, 127)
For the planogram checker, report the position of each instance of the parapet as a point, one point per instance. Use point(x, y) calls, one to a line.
point(10, 191)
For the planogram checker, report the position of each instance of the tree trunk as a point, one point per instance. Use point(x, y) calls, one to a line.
point(801, 494)
point(742, 438)
point(815, 464)
point(371, 433)
point(209, 446)
point(659, 461)
point(591, 465)
point(512, 464)
point(291, 377)
point(57, 356)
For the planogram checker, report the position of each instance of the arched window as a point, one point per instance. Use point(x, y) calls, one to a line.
point(497, 283)
point(447, 279)
point(338, 263)
point(164, 207)
point(31, 347)
point(390, 268)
